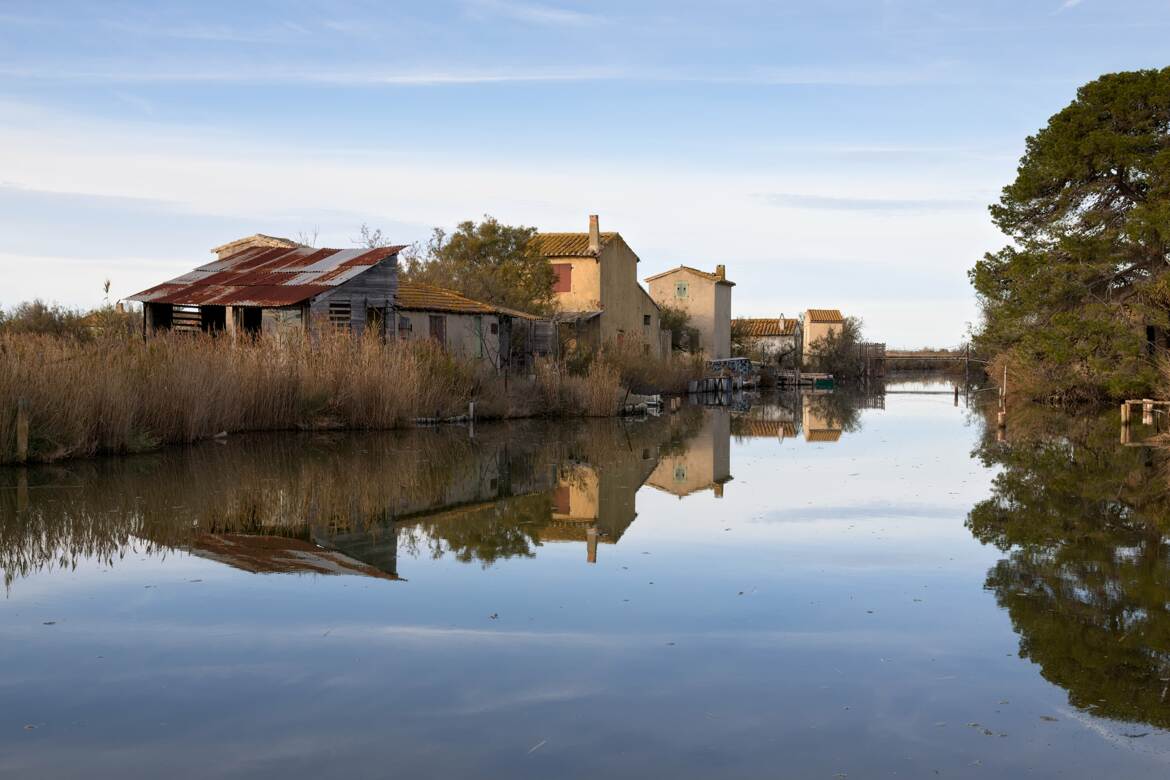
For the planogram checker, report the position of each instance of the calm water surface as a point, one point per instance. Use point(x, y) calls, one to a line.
point(809, 587)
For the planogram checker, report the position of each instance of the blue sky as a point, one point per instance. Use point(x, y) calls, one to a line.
point(838, 153)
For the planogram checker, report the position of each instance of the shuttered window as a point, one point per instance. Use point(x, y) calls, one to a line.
point(564, 280)
point(187, 319)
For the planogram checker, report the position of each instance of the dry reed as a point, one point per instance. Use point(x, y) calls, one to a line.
point(123, 395)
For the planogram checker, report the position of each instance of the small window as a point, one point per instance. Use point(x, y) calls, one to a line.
point(680, 289)
point(646, 320)
point(645, 349)
point(564, 280)
point(495, 328)
point(404, 327)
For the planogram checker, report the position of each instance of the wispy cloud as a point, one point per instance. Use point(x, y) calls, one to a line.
point(831, 203)
point(532, 13)
point(374, 75)
point(371, 77)
point(1067, 4)
point(217, 33)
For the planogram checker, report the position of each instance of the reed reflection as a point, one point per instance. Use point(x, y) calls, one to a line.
point(349, 503)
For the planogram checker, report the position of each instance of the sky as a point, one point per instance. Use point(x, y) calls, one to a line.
point(830, 153)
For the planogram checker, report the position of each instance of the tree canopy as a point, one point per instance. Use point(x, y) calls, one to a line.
point(1070, 300)
point(487, 261)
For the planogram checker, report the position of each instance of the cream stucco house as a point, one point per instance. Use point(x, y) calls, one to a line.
point(597, 290)
point(703, 295)
point(818, 324)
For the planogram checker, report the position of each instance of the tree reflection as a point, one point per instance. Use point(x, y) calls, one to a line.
point(1086, 580)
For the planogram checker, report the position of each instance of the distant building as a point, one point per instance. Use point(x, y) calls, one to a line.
point(774, 340)
point(261, 284)
point(597, 290)
point(818, 324)
point(706, 297)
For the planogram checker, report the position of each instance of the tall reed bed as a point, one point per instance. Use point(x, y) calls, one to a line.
point(123, 395)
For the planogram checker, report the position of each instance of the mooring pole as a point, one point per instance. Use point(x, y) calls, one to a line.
point(21, 430)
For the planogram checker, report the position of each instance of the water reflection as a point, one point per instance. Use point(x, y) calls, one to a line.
point(1086, 579)
point(346, 504)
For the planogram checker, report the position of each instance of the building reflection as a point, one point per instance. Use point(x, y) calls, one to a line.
point(704, 463)
point(818, 421)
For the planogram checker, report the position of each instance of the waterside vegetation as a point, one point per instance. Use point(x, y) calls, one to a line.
point(112, 394)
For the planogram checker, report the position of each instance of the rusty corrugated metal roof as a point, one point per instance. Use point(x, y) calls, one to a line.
point(266, 276)
point(822, 435)
point(568, 244)
point(755, 328)
point(825, 315)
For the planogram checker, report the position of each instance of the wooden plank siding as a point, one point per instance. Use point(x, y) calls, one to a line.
point(376, 289)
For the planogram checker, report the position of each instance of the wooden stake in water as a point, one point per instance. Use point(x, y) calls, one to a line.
point(21, 430)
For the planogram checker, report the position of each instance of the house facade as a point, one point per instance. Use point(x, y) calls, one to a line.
point(264, 285)
point(706, 298)
point(597, 290)
point(818, 324)
point(774, 340)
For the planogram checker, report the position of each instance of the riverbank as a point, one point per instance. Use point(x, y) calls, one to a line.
point(123, 395)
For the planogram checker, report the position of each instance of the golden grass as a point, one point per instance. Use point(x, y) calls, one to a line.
point(122, 395)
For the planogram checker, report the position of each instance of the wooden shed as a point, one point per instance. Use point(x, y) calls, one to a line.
point(256, 287)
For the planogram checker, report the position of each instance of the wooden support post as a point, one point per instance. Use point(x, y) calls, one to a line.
point(1147, 412)
point(1125, 413)
point(22, 491)
point(21, 431)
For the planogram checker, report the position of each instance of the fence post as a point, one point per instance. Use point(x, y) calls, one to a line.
point(21, 430)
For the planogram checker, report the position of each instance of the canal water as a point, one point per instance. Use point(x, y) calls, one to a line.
point(794, 587)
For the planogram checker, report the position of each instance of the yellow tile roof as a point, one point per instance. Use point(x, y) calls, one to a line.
point(568, 244)
point(754, 328)
point(702, 274)
point(825, 315)
point(426, 297)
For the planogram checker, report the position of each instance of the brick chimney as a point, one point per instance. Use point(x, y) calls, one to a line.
point(594, 235)
point(721, 272)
